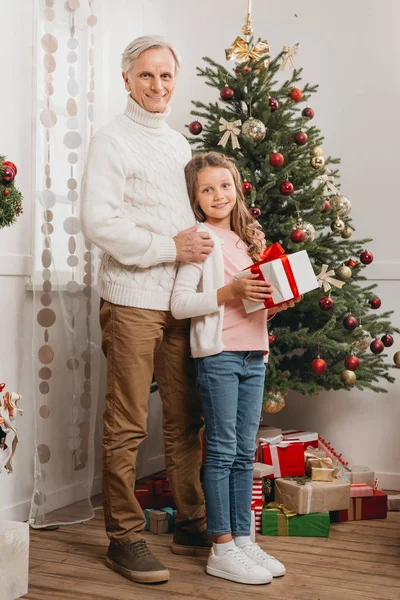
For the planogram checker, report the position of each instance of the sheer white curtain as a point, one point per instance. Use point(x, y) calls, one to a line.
point(65, 359)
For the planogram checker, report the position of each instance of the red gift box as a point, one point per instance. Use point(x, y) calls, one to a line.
point(257, 506)
point(257, 489)
point(149, 501)
point(286, 457)
point(360, 509)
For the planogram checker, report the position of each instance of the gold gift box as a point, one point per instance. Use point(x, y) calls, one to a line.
point(322, 474)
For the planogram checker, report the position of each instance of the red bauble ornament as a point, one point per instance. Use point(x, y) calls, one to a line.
point(351, 263)
point(6, 192)
point(2, 386)
point(326, 303)
point(297, 236)
point(247, 187)
point(387, 340)
point(308, 112)
point(8, 175)
point(195, 128)
point(272, 339)
point(326, 206)
point(376, 346)
point(246, 69)
point(350, 322)
point(8, 163)
point(366, 257)
point(255, 212)
point(301, 138)
point(375, 303)
point(276, 159)
point(286, 188)
point(273, 104)
point(227, 93)
point(352, 363)
point(296, 94)
point(319, 366)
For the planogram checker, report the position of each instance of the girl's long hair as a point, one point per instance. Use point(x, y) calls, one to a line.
point(240, 218)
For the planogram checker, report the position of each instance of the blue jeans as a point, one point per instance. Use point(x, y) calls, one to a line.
point(231, 385)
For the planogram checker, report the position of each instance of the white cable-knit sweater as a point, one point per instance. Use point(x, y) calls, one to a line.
point(133, 202)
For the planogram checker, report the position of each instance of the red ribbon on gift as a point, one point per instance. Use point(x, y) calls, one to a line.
point(272, 253)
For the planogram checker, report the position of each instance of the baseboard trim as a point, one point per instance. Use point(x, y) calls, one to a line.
point(388, 481)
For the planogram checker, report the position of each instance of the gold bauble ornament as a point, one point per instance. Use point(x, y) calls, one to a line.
point(317, 162)
point(254, 129)
point(396, 358)
point(309, 231)
point(340, 205)
point(344, 272)
point(338, 226)
point(317, 151)
point(347, 233)
point(273, 402)
point(348, 377)
point(363, 339)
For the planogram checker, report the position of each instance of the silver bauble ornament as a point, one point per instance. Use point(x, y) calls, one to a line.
point(309, 231)
point(317, 162)
point(363, 339)
point(254, 129)
point(347, 233)
point(340, 205)
point(273, 402)
point(338, 226)
point(344, 273)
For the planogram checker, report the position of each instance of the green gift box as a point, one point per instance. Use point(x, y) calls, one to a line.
point(278, 520)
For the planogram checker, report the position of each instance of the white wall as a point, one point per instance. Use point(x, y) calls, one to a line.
point(351, 50)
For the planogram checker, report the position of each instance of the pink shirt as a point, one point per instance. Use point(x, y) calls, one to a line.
point(241, 331)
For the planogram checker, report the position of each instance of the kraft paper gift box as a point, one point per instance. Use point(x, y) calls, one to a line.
point(362, 474)
point(261, 470)
point(309, 438)
point(320, 469)
point(360, 509)
point(393, 502)
point(265, 431)
point(287, 458)
point(305, 496)
point(160, 521)
point(291, 275)
point(278, 520)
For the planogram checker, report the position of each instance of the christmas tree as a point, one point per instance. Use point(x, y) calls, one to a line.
point(10, 196)
point(330, 340)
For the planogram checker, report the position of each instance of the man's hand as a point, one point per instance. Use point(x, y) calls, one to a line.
point(259, 233)
point(192, 245)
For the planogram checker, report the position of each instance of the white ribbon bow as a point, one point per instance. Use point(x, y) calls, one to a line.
point(326, 281)
point(290, 53)
point(326, 179)
point(231, 128)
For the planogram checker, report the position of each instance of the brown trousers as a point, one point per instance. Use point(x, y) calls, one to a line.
point(136, 343)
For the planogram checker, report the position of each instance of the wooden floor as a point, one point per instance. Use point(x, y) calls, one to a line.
point(359, 561)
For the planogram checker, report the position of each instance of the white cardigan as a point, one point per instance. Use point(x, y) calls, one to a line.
point(195, 296)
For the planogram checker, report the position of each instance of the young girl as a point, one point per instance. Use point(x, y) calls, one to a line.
point(228, 346)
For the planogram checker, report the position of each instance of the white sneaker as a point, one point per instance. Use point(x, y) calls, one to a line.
point(234, 565)
point(261, 558)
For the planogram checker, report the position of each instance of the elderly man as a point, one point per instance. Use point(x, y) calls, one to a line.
point(134, 206)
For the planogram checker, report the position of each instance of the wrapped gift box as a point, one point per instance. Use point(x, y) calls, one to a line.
point(305, 496)
point(158, 502)
point(257, 489)
point(360, 509)
point(360, 490)
point(160, 521)
point(262, 470)
point(287, 458)
point(362, 474)
point(309, 438)
point(320, 469)
point(256, 507)
point(394, 502)
point(14, 559)
point(277, 520)
point(265, 431)
point(291, 275)
point(269, 490)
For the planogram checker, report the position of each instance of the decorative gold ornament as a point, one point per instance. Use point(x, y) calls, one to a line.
point(240, 51)
point(317, 151)
point(326, 281)
point(338, 226)
point(317, 162)
point(341, 205)
point(231, 129)
point(344, 272)
point(363, 339)
point(273, 402)
point(396, 358)
point(254, 129)
point(348, 377)
point(289, 53)
point(309, 231)
point(347, 233)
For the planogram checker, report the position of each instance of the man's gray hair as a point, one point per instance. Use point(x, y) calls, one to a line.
point(140, 45)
